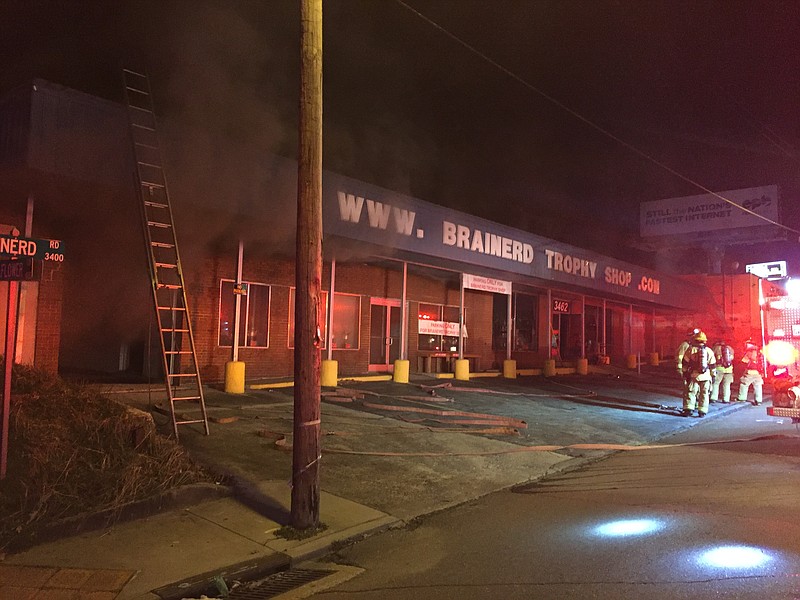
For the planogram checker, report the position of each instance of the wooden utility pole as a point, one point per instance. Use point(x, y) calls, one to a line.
point(309, 312)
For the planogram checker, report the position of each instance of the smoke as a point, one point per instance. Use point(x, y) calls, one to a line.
point(384, 150)
point(226, 112)
point(230, 108)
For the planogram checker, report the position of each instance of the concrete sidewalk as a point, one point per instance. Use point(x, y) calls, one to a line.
point(177, 553)
point(392, 453)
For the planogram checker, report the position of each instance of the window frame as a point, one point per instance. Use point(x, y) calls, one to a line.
point(245, 310)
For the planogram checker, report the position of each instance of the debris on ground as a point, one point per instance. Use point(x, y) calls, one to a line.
point(223, 420)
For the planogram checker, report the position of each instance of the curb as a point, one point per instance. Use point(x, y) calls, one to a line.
point(260, 568)
point(314, 549)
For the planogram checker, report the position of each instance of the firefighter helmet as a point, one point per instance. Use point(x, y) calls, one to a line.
point(700, 337)
point(692, 332)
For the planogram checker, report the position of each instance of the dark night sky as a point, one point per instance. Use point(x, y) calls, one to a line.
point(710, 88)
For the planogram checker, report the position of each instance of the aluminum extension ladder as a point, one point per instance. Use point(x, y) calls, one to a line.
point(182, 374)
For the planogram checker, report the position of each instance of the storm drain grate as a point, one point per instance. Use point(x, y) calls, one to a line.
point(279, 583)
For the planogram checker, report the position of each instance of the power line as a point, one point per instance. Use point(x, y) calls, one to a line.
point(768, 134)
point(586, 120)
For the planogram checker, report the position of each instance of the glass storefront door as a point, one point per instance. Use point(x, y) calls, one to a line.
point(384, 333)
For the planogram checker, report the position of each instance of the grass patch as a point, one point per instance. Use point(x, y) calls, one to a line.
point(288, 532)
point(73, 452)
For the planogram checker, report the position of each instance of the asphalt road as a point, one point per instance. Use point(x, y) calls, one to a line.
point(712, 515)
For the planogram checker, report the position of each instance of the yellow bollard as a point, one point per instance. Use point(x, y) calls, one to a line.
point(582, 366)
point(329, 374)
point(234, 377)
point(631, 361)
point(510, 369)
point(400, 374)
point(462, 369)
point(549, 368)
point(654, 359)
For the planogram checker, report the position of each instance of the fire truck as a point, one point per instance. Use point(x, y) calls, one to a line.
point(780, 331)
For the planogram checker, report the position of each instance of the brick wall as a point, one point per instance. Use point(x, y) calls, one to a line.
point(48, 317)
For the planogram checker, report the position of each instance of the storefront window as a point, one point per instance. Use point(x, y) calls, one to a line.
point(499, 322)
point(323, 318)
point(592, 333)
point(524, 308)
point(254, 315)
point(524, 313)
point(346, 322)
point(438, 327)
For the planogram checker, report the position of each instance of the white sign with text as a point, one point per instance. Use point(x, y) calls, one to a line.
point(448, 328)
point(487, 284)
point(709, 212)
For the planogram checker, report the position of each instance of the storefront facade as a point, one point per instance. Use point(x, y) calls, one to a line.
point(406, 277)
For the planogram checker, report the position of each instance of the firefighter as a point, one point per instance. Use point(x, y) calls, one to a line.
point(685, 344)
point(753, 374)
point(723, 372)
point(698, 361)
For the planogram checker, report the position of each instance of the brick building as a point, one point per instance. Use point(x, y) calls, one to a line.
point(457, 273)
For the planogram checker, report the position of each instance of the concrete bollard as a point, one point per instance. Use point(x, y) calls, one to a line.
point(653, 359)
point(631, 361)
point(582, 366)
point(549, 368)
point(462, 369)
point(234, 377)
point(329, 374)
point(400, 374)
point(510, 369)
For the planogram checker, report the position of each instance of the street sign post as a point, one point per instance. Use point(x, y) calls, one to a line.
point(11, 337)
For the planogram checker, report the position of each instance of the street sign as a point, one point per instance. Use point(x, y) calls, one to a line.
point(40, 249)
point(18, 270)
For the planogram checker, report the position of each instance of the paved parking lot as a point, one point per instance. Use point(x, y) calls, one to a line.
point(407, 449)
